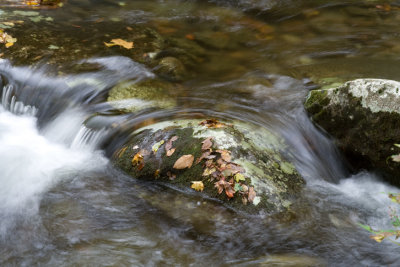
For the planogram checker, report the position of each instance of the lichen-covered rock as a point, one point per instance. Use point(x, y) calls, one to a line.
point(364, 117)
point(135, 96)
point(243, 166)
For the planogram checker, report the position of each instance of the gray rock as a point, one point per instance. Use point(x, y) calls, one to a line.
point(364, 117)
point(247, 157)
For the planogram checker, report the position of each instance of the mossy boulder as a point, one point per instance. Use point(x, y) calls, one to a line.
point(364, 118)
point(243, 166)
point(133, 96)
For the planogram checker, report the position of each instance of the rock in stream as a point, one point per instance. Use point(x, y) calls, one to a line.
point(364, 118)
point(241, 165)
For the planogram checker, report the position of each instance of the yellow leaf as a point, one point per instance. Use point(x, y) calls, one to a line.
point(120, 42)
point(239, 177)
point(183, 162)
point(197, 185)
point(9, 44)
point(378, 238)
point(156, 146)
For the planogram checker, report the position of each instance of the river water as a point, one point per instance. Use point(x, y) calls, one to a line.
point(63, 203)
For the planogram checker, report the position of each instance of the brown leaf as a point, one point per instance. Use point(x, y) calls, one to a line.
point(229, 191)
point(170, 152)
point(244, 200)
point(203, 156)
point(183, 162)
point(120, 42)
point(252, 194)
point(207, 144)
point(168, 145)
point(225, 155)
point(209, 163)
point(140, 166)
point(197, 185)
point(171, 176)
point(212, 123)
point(220, 185)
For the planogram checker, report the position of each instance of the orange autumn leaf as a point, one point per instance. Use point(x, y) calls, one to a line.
point(120, 42)
point(183, 162)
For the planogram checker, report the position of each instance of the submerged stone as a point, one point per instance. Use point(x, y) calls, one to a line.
point(243, 166)
point(364, 117)
point(135, 96)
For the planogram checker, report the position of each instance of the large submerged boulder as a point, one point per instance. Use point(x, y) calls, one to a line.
point(241, 165)
point(364, 117)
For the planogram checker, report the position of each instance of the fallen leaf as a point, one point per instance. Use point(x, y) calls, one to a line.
point(203, 156)
point(252, 194)
point(168, 146)
point(140, 166)
point(197, 185)
point(225, 155)
point(120, 42)
point(171, 176)
point(220, 185)
point(156, 146)
point(170, 152)
point(379, 237)
point(229, 191)
point(212, 123)
point(183, 162)
point(157, 173)
point(244, 200)
point(208, 171)
point(137, 159)
point(207, 144)
point(239, 177)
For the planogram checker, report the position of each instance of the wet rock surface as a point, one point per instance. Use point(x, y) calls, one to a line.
point(364, 117)
point(243, 166)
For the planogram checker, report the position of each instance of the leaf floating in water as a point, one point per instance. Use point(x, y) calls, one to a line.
point(183, 162)
point(120, 42)
point(7, 39)
point(197, 185)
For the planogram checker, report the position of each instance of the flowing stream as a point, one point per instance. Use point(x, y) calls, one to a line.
point(62, 203)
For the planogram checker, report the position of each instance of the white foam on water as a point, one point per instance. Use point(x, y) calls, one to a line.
point(31, 164)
